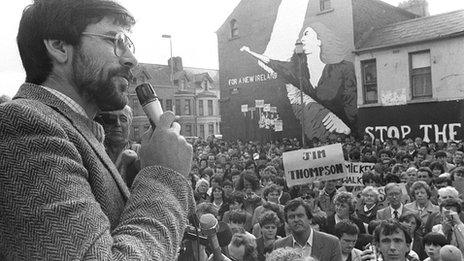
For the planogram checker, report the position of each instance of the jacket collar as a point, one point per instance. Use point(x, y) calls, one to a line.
point(89, 129)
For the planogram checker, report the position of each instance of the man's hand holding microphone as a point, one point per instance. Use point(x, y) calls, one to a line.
point(163, 145)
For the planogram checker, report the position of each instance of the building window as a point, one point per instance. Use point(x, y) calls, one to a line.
point(168, 104)
point(136, 108)
point(202, 131)
point(233, 28)
point(187, 107)
point(211, 129)
point(421, 75)
point(325, 5)
point(201, 108)
point(187, 130)
point(177, 107)
point(210, 107)
point(369, 81)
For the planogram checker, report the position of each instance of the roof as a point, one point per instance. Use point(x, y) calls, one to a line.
point(161, 74)
point(415, 30)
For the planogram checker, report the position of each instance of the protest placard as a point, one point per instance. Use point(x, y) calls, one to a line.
point(244, 107)
point(307, 165)
point(259, 103)
point(355, 171)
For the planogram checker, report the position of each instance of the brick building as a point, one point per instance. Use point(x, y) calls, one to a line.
point(191, 93)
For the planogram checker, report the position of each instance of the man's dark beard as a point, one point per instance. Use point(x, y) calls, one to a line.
point(94, 87)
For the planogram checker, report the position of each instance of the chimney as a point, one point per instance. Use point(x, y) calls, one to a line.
point(176, 63)
point(418, 7)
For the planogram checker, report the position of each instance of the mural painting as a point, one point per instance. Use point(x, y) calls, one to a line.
point(328, 80)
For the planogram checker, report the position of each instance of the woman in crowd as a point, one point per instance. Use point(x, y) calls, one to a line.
point(201, 189)
point(236, 204)
point(271, 194)
point(422, 205)
point(451, 225)
point(433, 242)
point(369, 204)
point(218, 200)
point(269, 222)
point(437, 168)
point(344, 210)
point(249, 184)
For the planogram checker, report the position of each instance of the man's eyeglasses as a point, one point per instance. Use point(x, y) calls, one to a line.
point(121, 42)
point(107, 119)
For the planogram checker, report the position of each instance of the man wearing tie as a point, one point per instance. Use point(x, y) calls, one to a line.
point(395, 207)
point(312, 243)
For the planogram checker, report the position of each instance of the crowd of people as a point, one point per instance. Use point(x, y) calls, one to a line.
point(416, 186)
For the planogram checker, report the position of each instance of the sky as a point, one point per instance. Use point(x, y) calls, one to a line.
point(192, 25)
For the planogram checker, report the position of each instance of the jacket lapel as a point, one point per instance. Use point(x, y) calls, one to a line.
point(82, 124)
point(316, 246)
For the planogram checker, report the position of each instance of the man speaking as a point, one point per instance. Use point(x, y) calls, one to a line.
point(61, 197)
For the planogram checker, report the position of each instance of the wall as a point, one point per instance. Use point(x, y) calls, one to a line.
point(447, 57)
point(439, 117)
point(242, 81)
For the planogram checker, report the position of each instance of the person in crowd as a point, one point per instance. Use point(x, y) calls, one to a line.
point(271, 194)
point(450, 253)
point(285, 254)
point(218, 200)
point(345, 205)
point(433, 242)
point(269, 222)
point(228, 188)
point(442, 182)
point(437, 168)
point(326, 196)
point(458, 159)
point(457, 175)
point(442, 157)
point(435, 218)
point(284, 196)
point(451, 226)
point(236, 222)
point(367, 211)
point(78, 60)
point(413, 223)
point(395, 207)
point(242, 247)
point(235, 176)
point(371, 178)
point(215, 182)
point(200, 191)
point(312, 243)
point(425, 174)
point(249, 184)
point(119, 148)
point(236, 203)
point(422, 205)
point(392, 240)
point(347, 232)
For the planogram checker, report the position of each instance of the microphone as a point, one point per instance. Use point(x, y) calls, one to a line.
point(208, 224)
point(150, 102)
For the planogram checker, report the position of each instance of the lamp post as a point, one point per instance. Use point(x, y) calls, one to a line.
point(172, 62)
point(300, 52)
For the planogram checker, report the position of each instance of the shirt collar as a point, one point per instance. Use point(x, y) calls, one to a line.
point(399, 210)
point(309, 242)
point(67, 100)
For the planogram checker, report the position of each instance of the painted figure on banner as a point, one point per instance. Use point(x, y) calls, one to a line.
point(328, 82)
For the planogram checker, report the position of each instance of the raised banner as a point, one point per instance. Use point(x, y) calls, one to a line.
point(259, 103)
point(354, 172)
point(307, 165)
